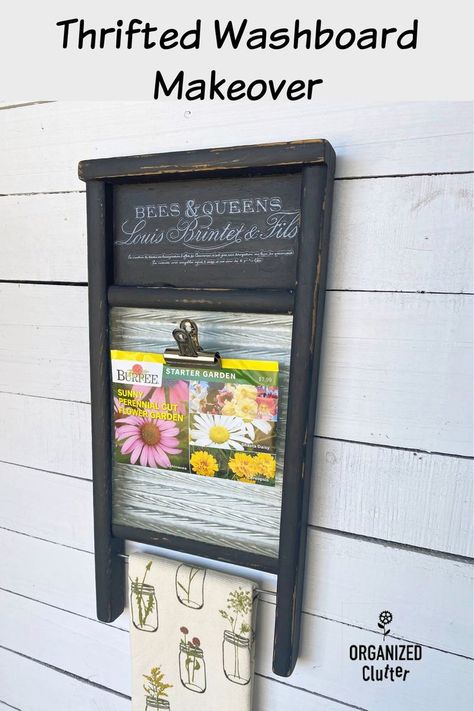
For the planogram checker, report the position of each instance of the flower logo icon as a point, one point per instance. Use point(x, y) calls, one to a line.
point(385, 619)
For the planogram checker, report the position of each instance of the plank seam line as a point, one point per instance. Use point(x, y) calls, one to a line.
point(46, 540)
point(314, 693)
point(385, 176)
point(432, 552)
point(393, 636)
point(380, 634)
point(43, 192)
point(332, 439)
point(15, 708)
point(35, 282)
point(67, 673)
point(397, 448)
point(24, 103)
point(43, 283)
point(415, 452)
point(46, 471)
point(43, 397)
point(398, 291)
point(61, 609)
point(263, 601)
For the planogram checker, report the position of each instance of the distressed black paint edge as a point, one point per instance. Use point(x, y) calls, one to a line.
point(325, 223)
point(271, 301)
point(109, 569)
point(286, 155)
point(190, 546)
point(302, 397)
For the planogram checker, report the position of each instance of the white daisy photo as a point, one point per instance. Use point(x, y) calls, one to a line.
point(219, 431)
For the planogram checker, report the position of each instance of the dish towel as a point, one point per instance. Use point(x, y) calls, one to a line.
point(192, 637)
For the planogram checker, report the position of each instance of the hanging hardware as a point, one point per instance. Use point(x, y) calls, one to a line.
point(189, 351)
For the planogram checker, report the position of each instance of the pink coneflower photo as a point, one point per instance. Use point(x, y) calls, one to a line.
point(178, 394)
point(148, 441)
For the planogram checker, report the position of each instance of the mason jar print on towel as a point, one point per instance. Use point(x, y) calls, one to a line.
point(190, 586)
point(201, 656)
point(192, 666)
point(143, 603)
point(156, 690)
point(238, 639)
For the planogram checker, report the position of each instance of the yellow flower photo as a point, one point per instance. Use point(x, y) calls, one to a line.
point(203, 463)
point(242, 466)
point(264, 465)
point(249, 468)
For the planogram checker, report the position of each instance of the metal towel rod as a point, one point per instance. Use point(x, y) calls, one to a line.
point(258, 590)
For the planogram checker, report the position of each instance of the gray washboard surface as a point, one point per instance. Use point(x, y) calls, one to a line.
point(216, 511)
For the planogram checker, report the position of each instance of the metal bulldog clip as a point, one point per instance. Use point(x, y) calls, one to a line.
point(189, 351)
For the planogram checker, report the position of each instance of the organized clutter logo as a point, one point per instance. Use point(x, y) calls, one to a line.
point(385, 653)
point(385, 619)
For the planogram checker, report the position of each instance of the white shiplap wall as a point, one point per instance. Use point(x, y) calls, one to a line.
point(391, 514)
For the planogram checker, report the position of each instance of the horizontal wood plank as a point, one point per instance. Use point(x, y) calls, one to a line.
point(52, 232)
point(65, 514)
point(348, 580)
point(57, 363)
point(29, 686)
point(63, 445)
point(402, 234)
point(396, 369)
point(44, 143)
point(423, 500)
point(66, 641)
point(410, 498)
point(427, 248)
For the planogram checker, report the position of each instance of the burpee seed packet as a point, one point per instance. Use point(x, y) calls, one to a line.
point(207, 422)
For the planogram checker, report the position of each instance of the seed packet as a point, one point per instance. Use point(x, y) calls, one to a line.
point(213, 422)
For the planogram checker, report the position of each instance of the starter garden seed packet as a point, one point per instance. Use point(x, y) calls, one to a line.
point(208, 422)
